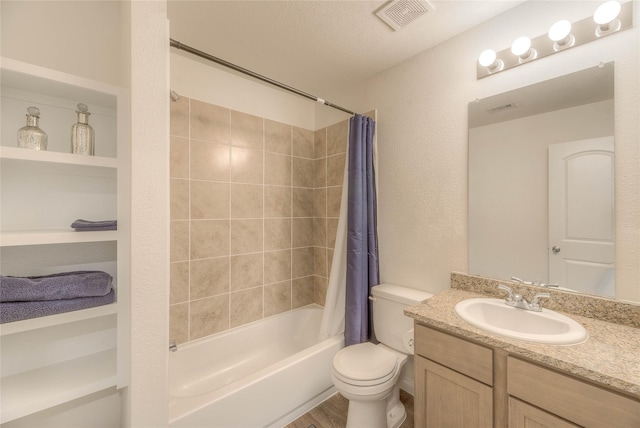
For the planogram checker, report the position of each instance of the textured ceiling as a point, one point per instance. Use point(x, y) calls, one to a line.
point(319, 44)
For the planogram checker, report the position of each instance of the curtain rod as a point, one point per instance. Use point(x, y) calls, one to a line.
point(196, 52)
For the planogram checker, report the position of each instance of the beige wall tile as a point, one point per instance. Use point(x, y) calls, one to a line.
point(246, 236)
point(302, 200)
point(179, 197)
point(179, 123)
point(320, 202)
point(277, 266)
point(320, 232)
point(209, 238)
point(246, 201)
point(246, 271)
point(337, 137)
point(330, 253)
point(302, 232)
point(277, 201)
point(209, 277)
point(302, 292)
point(303, 143)
point(179, 283)
point(320, 286)
point(179, 241)
point(277, 298)
point(277, 137)
point(335, 170)
point(208, 316)
point(320, 143)
point(302, 262)
point(179, 157)
point(209, 200)
point(246, 165)
point(179, 323)
point(302, 173)
point(277, 169)
point(320, 172)
point(209, 161)
point(277, 234)
point(332, 228)
point(210, 122)
point(320, 261)
point(246, 306)
point(246, 130)
point(334, 197)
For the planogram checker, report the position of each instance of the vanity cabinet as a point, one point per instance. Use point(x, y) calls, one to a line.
point(463, 383)
point(52, 360)
point(453, 382)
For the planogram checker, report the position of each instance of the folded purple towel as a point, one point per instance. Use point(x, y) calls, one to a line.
point(81, 225)
point(16, 311)
point(66, 285)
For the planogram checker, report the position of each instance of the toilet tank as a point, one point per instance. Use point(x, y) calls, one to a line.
point(389, 322)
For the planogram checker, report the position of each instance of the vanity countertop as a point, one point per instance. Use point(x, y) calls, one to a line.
point(610, 356)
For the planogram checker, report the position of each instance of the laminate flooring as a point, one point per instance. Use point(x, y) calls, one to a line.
point(332, 413)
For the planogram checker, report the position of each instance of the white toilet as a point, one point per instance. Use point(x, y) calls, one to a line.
point(367, 374)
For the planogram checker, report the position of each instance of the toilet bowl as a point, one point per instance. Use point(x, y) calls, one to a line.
point(368, 375)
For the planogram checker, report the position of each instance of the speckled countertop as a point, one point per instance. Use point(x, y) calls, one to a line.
point(610, 356)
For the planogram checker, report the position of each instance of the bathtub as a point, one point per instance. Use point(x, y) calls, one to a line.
point(263, 374)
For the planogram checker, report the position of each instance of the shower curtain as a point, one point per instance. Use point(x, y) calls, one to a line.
point(355, 262)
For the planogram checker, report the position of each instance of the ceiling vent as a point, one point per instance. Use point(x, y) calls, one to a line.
point(399, 13)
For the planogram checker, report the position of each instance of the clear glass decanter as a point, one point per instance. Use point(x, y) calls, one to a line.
point(82, 134)
point(31, 136)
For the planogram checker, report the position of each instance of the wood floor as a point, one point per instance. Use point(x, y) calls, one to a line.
point(332, 413)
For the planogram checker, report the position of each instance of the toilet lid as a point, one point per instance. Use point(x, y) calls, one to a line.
point(364, 364)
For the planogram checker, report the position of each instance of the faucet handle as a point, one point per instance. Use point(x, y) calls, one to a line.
point(534, 305)
point(511, 297)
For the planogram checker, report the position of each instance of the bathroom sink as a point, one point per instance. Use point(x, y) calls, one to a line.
point(495, 316)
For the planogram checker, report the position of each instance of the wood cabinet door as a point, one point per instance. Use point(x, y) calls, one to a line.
point(523, 415)
point(447, 399)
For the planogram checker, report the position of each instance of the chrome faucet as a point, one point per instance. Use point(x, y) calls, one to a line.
point(536, 282)
point(173, 347)
point(518, 301)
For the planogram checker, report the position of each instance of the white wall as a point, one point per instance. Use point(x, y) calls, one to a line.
point(192, 77)
point(422, 141)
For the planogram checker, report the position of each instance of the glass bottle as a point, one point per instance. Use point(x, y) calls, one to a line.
point(82, 134)
point(31, 136)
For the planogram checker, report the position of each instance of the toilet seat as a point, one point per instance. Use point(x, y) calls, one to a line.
point(365, 364)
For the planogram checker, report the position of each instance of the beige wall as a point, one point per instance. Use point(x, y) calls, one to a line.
point(254, 207)
point(422, 141)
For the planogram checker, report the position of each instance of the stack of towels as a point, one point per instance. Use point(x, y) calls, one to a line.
point(38, 296)
point(81, 225)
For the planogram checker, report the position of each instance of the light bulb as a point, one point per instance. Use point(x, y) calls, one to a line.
point(521, 46)
point(488, 58)
point(606, 12)
point(560, 33)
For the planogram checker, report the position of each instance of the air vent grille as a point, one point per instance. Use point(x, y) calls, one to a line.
point(399, 13)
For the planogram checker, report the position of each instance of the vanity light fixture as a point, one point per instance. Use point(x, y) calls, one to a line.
point(605, 16)
point(609, 18)
point(560, 34)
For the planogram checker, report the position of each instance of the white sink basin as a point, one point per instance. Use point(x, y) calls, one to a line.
point(543, 327)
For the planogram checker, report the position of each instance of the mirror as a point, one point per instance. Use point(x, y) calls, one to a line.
point(541, 190)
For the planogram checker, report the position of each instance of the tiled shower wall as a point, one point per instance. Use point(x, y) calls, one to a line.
point(254, 212)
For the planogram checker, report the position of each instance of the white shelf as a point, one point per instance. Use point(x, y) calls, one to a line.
point(29, 392)
point(57, 319)
point(54, 236)
point(28, 155)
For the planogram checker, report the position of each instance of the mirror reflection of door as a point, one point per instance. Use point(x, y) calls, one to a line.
point(581, 216)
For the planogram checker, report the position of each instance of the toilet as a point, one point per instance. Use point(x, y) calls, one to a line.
point(368, 375)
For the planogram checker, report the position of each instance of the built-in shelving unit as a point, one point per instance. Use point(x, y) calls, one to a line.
point(42, 193)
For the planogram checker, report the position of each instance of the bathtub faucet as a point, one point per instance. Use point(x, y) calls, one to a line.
point(173, 347)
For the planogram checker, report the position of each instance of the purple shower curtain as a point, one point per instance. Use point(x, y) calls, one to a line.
point(362, 236)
